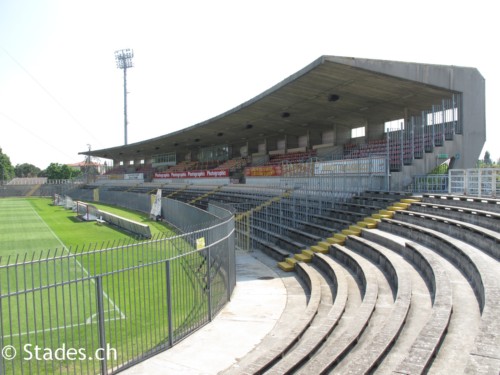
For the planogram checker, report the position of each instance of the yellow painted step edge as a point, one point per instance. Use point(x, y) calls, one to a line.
point(410, 200)
point(355, 228)
point(349, 232)
point(324, 244)
point(335, 240)
point(394, 208)
point(285, 266)
point(308, 252)
point(303, 258)
point(319, 249)
point(402, 205)
point(380, 216)
point(367, 224)
point(291, 261)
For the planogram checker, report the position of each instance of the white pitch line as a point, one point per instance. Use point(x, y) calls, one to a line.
point(91, 317)
point(54, 328)
point(122, 315)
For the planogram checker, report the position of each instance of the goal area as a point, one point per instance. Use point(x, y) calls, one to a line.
point(64, 201)
point(89, 212)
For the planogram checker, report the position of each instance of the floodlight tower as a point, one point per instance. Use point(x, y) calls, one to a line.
point(123, 61)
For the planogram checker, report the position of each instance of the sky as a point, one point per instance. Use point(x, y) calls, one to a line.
point(61, 92)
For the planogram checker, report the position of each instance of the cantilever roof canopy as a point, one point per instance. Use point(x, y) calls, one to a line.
point(332, 90)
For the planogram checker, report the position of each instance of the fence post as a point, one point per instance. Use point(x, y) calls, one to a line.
point(247, 220)
point(100, 323)
point(494, 183)
point(169, 304)
point(479, 183)
point(1, 335)
point(209, 286)
point(449, 181)
point(387, 162)
point(230, 250)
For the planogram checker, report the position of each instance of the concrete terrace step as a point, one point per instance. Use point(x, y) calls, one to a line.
point(368, 356)
point(418, 269)
point(325, 321)
point(463, 327)
point(482, 274)
point(485, 204)
point(427, 344)
point(287, 331)
point(484, 239)
point(334, 350)
point(486, 219)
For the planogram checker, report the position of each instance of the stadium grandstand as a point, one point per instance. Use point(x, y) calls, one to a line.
point(389, 120)
point(386, 265)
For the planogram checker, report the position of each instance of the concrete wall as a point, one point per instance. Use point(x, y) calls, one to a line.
point(468, 81)
point(193, 181)
point(400, 180)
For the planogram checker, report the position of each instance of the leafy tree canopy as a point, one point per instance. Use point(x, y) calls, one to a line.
point(487, 158)
point(57, 171)
point(26, 170)
point(6, 168)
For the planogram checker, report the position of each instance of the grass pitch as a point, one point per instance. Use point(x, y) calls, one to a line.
point(49, 296)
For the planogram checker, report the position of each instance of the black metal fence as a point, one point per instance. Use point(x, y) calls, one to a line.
point(99, 310)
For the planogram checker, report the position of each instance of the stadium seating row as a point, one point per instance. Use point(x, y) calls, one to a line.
point(421, 308)
point(418, 292)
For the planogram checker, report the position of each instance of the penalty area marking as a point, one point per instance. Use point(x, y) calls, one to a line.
point(52, 329)
point(122, 315)
point(87, 320)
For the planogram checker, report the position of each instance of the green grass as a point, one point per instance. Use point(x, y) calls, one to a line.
point(57, 302)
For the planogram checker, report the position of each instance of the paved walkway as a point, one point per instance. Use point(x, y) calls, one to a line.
point(256, 305)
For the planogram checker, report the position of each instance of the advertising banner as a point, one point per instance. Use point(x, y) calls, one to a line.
point(133, 176)
point(194, 174)
point(353, 166)
point(265, 170)
point(156, 204)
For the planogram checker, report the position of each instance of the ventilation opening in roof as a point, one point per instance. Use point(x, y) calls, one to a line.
point(358, 132)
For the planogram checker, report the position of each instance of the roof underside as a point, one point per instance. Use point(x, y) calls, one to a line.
point(365, 97)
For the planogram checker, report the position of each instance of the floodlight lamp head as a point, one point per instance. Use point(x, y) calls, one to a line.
point(124, 58)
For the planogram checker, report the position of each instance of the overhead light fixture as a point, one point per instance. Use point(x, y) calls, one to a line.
point(124, 61)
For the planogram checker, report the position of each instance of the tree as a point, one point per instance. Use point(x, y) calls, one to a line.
point(487, 158)
point(57, 171)
point(6, 168)
point(26, 170)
